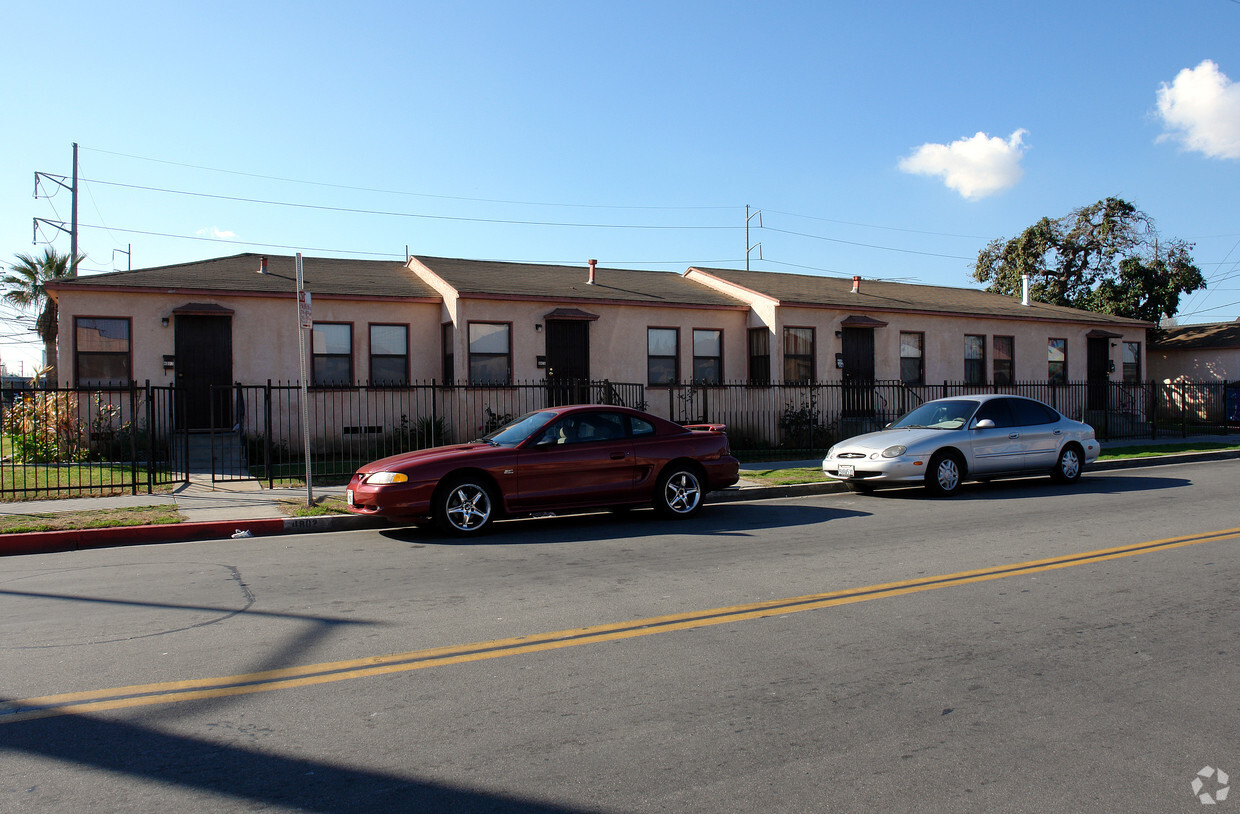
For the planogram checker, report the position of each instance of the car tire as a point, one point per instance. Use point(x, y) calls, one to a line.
point(679, 492)
point(465, 507)
point(946, 474)
point(1068, 467)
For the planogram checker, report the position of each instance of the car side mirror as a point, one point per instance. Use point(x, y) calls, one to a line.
point(984, 424)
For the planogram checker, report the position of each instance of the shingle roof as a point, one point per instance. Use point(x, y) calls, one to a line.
point(1206, 335)
point(324, 276)
point(877, 295)
point(529, 280)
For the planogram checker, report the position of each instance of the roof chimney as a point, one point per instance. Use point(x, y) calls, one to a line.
point(1024, 289)
point(262, 265)
point(592, 263)
point(856, 284)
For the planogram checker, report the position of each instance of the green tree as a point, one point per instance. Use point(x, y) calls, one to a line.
point(1106, 257)
point(25, 283)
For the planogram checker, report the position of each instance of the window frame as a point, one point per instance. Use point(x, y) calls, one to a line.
point(315, 357)
point(809, 358)
point(402, 381)
point(920, 357)
point(1006, 375)
point(652, 357)
point(717, 359)
point(480, 356)
point(759, 358)
point(975, 367)
point(1061, 365)
point(447, 353)
point(1133, 377)
point(79, 355)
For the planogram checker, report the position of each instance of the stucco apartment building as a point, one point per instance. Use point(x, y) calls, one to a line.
point(1209, 352)
point(486, 322)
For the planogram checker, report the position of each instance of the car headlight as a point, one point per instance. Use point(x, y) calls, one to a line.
point(831, 452)
point(894, 451)
point(381, 478)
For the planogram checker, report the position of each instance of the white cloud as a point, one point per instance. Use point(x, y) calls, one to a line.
point(216, 232)
point(1201, 110)
point(975, 167)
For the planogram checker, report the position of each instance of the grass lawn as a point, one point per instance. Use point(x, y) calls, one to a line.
point(93, 519)
point(45, 482)
point(331, 504)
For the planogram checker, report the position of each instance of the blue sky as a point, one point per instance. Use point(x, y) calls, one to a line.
point(890, 139)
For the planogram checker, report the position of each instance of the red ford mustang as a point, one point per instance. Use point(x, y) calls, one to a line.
point(557, 459)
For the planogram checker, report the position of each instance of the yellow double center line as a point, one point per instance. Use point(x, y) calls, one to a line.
point(206, 688)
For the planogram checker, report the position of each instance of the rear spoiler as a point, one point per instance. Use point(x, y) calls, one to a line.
point(720, 428)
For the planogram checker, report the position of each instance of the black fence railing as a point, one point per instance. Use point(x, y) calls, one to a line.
point(84, 441)
point(352, 425)
point(69, 441)
point(798, 419)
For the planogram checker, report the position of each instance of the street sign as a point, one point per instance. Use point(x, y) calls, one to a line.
point(304, 309)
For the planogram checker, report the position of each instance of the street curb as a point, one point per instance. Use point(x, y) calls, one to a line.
point(40, 542)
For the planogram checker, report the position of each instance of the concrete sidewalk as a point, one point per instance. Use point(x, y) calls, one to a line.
point(245, 509)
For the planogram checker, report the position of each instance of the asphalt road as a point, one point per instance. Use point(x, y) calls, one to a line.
point(1024, 647)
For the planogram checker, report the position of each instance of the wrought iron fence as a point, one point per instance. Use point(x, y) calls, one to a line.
point(352, 425)
point(795, 420)
point(83, 441)
point(75, 441)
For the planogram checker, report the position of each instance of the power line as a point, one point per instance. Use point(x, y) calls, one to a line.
point(875, 226)
point(398, 191)
point(418, 215)
point(867, 245)
point(241, 242)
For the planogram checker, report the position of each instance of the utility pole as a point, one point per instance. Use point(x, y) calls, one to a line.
point(749, 248)
point(73, 221)
point(305, 322)
point(72, 186)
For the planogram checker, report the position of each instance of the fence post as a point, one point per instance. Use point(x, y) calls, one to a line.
point(1183, 409)
point(1226, 416)
point(267, 462)
point(150, 437)
point(133, 437)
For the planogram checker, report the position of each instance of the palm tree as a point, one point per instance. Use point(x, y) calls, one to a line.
point(25, 290)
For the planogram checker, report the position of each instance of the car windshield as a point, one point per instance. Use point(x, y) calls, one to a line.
point(939, 415)
point(516, 431)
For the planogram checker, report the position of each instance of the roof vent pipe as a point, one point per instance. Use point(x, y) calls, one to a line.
point(856, 284)
point(1024, 289)
point(262, 265)
point(592, 263)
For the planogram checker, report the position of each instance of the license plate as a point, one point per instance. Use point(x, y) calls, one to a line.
point(846, 470)
point(348, 496)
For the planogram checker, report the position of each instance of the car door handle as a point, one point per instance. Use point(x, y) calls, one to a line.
point(1013, 435)
point(619, 456)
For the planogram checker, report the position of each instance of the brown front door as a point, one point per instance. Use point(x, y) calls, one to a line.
point(203, 346)
point(1098, 371)
point(858, 348)
point(568, 361)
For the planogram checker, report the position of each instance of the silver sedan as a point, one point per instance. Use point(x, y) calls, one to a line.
point(945, 442)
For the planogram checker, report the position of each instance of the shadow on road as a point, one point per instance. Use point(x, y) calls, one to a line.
point(723, 519)
point(125, 750)
point(1101, 483)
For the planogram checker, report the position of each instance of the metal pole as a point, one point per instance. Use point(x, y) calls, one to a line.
point(73, 221)
point(304, 323)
